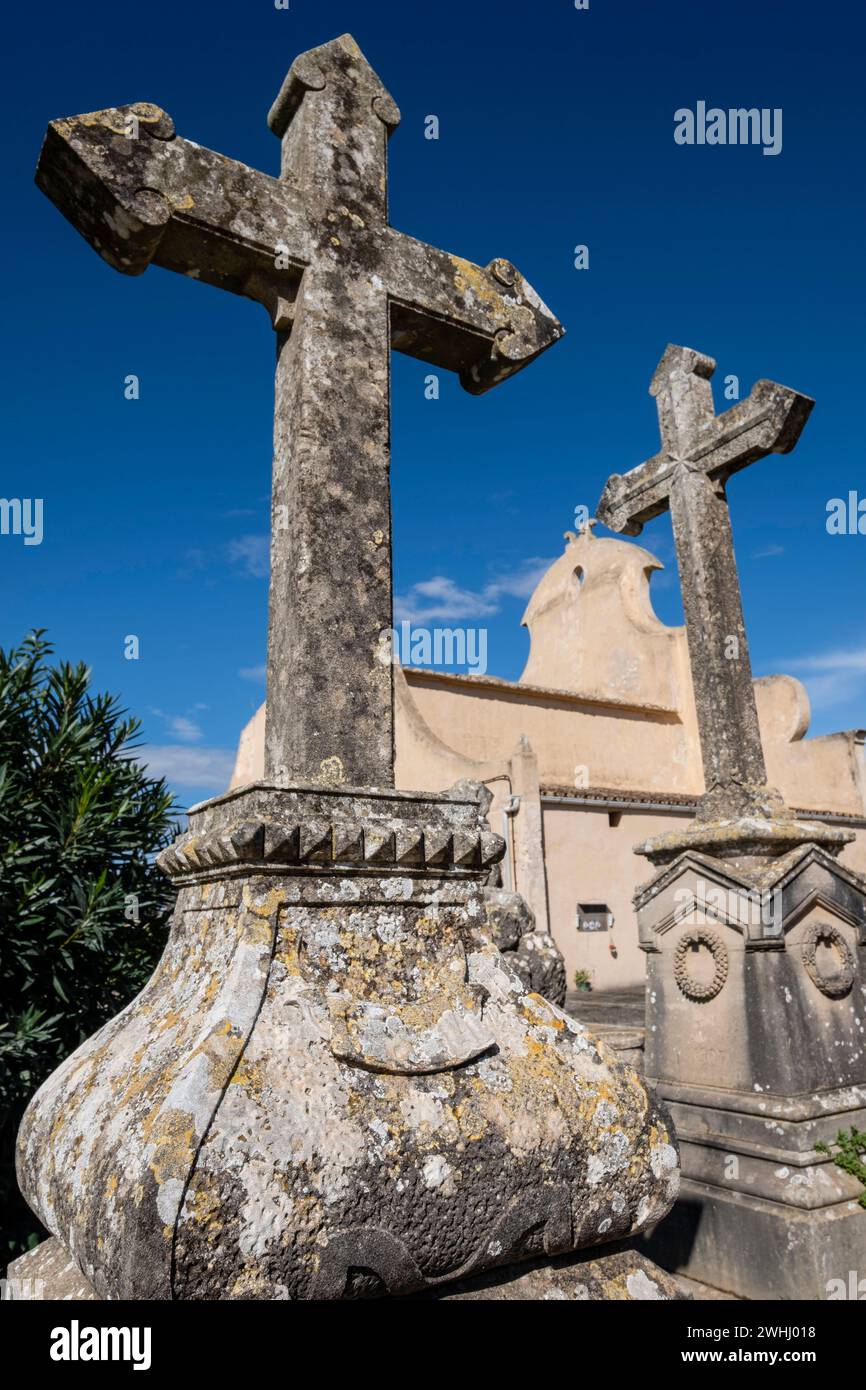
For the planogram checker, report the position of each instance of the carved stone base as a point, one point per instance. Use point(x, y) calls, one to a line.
point(762, 1250)
point(333, 1086)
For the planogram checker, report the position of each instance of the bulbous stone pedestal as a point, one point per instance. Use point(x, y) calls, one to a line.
point(333, 1085)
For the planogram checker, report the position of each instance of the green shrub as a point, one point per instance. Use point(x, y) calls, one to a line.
point(847, 1153)
point(83, 908)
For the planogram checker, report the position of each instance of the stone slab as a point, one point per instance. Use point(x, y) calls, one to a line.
point(620, 1275)
point(759, 1250)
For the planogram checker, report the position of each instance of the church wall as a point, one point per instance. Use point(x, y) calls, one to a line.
point(615, 747)
point(589, 860)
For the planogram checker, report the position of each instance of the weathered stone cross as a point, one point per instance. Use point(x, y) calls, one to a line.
point(342, 288)
point(700, 451)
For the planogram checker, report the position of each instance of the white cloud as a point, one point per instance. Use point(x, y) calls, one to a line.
point(832, 677)
point(768, 553)
point(253, 673)
point(208, 768)
point(251, 554)
point(184, 729)
point(179, 725)
point(840, 660)
point(441, 600)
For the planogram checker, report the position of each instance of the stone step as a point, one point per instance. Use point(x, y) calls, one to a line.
point(616, 1017)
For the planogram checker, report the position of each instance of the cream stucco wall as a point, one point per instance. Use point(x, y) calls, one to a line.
point(603, 714)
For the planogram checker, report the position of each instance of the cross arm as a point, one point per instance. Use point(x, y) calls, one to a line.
point(483, 323)
point(632, 499)
point(138, 193)
point(769, 421)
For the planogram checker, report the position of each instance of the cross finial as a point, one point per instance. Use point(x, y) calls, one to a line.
point(684, 397)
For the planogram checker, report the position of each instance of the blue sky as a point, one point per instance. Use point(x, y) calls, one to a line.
point(556, 129)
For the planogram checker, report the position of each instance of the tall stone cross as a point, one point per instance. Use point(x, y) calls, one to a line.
point(700, 450)
point(342, 288)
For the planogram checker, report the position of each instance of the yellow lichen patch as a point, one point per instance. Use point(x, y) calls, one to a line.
point(249, 1075)
point(537, 1010)
point(132, 1083)
point(221, 1047)
point(211, 990)
point(287, 950)
point(352, 217)
point(148, 111)
point(206, 1210)
point(470, 1116)
point(601, 1093)
point(266, 906)
point(183, 204)
point(252, 1283)
point(171, 1134)
point(118, 122)
point(471, 279)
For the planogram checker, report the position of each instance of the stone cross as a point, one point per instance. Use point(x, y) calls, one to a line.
point(342, 288)
point(700, 451)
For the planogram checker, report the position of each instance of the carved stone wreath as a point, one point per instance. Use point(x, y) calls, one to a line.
point(834, 986)
point(692, 989)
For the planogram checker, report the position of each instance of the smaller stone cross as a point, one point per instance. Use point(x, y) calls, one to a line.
point(700, 450)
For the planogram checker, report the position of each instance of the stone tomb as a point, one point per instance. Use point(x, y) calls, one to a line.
point(757, 1041)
